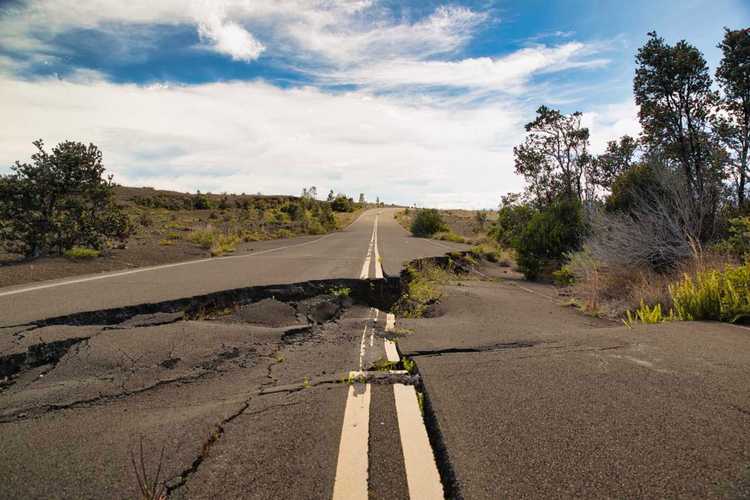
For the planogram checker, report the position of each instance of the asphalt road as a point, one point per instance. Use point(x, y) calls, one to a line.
point(336, 255)
point(535, 400)
point(272, 399)
point(268, 400)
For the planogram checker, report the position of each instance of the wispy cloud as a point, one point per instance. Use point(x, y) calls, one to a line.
point(255, 137)
point(397, 133)
point(507, 74)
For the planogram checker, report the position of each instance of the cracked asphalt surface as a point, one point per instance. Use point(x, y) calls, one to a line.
point(243, 393)
point(241, 403)
point(535, 400)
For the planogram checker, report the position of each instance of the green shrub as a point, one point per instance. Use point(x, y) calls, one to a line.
point(224, 243)
point(202, 237)
point(738, 242)
point(450, 236)
point(699, 298)
point(82, 253)
point(564, 276)
point(648, 315)
point(248, 236)
point(631, 186)
point(61, 200)
point(549, 235)
point(427, 222)
point(201, 202)
point(512, 219)
point(342, 204)
point(713, 295)
point(315, 227)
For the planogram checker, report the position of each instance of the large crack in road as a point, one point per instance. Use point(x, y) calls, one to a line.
point(95, 359)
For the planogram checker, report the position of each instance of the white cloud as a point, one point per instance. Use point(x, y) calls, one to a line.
point(342, 32)
point(504, 74)
point(231, 39)
point(255, 137)
point(611, 121)
point(416, 146)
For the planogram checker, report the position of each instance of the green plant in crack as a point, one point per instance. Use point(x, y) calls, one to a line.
point(341, 292)
point(383, 365)
point(409, 365)
point(306, 383)
point(423, 287)
point(355, 377)
point(420, 402)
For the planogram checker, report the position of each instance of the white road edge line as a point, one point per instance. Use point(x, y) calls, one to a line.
point(166, 266)
point(351, 482)
point(422, 477)
point(156, 268)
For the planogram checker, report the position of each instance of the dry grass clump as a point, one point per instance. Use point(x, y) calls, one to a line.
point(450, 236)
point(613, 290)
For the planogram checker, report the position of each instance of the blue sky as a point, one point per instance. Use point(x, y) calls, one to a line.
point(415, 102)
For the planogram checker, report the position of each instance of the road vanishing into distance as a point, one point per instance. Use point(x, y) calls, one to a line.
point(79, 406)
point(280, 373)
point(332, 256)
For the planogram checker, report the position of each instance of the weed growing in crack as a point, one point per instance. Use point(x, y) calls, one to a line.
point(306, 383)
point(355, 377)
point(383, 365)
point(420, 402)
point(213, 436)
point(409, 365)
point(151, 488)
point(424, 282)
point(279, 358)
point(341, 292)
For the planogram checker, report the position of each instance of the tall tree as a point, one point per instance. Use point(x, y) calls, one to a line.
point(618, 157)
point(733, 124)
point(672, 86)
point(553, 158)
point(59, 200)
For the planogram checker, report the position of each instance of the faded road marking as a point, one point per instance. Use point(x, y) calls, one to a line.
point(164, 266)
point(157, 268)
